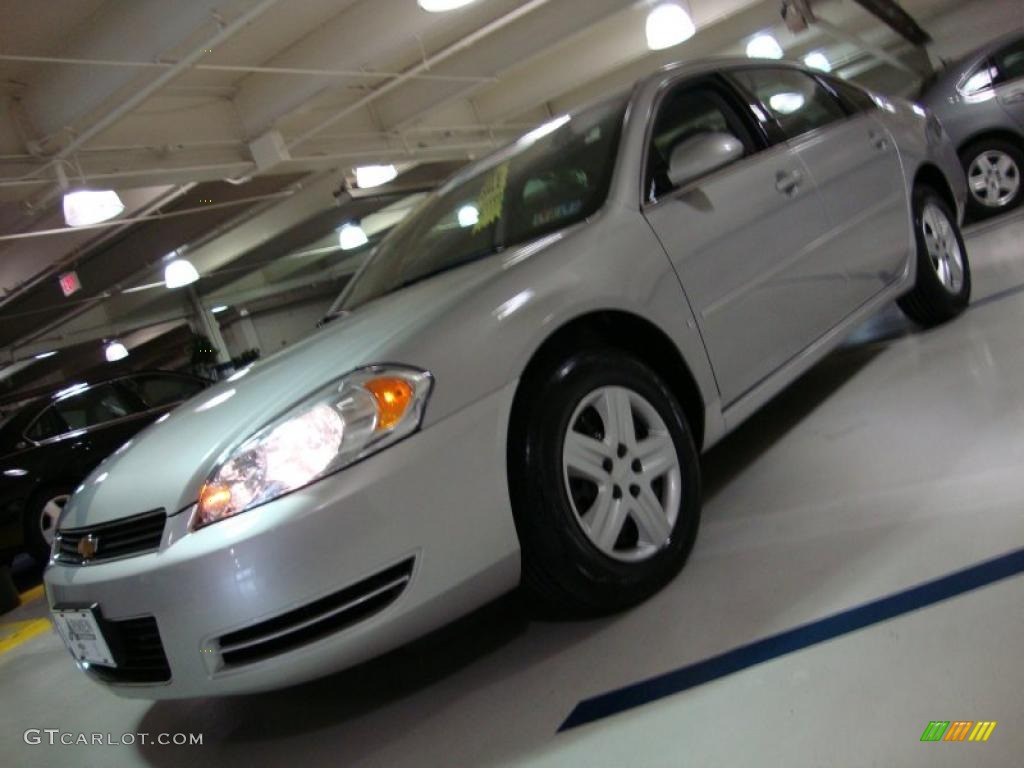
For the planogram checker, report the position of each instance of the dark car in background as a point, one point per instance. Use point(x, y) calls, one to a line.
point(51, 443)
point(980, 101)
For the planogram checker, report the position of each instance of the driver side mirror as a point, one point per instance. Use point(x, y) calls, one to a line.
point(701, 154)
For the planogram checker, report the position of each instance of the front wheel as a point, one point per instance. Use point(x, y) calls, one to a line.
point(943, 287)
point(41, 522)
point(605, 484)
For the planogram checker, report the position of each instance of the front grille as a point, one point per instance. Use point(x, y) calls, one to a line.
point(317, 619)
point(138, 651)
point(128, 536)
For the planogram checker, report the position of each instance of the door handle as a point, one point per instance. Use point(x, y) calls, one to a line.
point(1014, 98)
point(881, 142)
point(788, 182)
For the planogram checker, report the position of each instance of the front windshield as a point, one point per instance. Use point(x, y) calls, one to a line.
point(554, 176)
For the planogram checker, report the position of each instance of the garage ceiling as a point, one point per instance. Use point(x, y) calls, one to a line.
point(169, 99)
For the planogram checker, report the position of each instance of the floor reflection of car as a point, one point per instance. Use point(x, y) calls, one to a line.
point(49, 445)
point(516, 385)
point(980, 101)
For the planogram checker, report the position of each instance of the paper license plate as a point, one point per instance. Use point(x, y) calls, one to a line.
point(83, 637)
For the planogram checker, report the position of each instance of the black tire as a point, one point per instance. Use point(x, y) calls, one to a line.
point(35, 543)
point(562, 569)
point(931, 303)
point(977, 211)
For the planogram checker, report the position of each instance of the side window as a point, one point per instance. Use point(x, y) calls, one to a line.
point(794, 99)
point(1009, 62)
point(156, 391)
point(48, 424)
point(684, 114)
point(855, 97)
point(95, 406)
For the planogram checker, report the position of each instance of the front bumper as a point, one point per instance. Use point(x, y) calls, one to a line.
point(438, 498)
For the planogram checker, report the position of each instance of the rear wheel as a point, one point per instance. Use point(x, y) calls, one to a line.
point(994, 168)
point(943, 287)
point(41, 522)
point(605, 484)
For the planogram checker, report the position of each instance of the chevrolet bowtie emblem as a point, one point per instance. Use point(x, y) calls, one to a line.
point(87, 546)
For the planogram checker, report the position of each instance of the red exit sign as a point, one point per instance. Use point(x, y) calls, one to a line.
point(69, 283)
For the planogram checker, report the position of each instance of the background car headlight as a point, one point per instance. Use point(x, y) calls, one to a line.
point(358, 415)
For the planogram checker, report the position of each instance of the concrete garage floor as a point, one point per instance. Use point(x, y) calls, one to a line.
point(896, 461)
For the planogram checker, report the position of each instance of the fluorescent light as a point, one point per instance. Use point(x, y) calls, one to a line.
point(787, 103)
point(440, 6)
point(44, 355)
point(764, 46)
point(219, 309)
point(469, 216)
point(352, 236)
point(548, 128)
point(818, 60)
point(15, 472)
point(180, 273)
point(667, 25)
point(91, 206)
point(116, 351)
point(369, 176)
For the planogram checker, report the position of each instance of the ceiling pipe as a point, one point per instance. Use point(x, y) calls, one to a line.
point(430, 61)
point(243, 68)
point(225, 32)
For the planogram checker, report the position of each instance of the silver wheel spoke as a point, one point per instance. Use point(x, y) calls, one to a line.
point(657, 454)
point(618, 417)
point(650, 518)
point(585, 456)
point(606, 519)
point(49, 516)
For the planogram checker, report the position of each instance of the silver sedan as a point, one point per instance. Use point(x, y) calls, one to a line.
point(516, 385)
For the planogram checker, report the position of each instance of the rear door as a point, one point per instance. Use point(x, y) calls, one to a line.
point(1009, 79)
point(853, 160)
point(743, 239)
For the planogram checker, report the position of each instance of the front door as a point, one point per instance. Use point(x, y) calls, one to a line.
point(743, 239)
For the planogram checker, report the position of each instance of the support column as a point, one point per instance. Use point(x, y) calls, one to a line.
point(206, 324)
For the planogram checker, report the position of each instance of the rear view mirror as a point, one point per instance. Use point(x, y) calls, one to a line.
point(700, 155)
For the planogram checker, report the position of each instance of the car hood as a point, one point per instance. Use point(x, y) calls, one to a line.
point(165, 465)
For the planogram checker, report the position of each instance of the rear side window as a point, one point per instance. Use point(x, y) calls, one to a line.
point(794, 99)
point(855, 97)
point(48, 424)
point(97, 405)
point(157, 391)
point(1009, 62)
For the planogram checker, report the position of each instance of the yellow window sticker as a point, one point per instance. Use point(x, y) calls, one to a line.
point(492, 198)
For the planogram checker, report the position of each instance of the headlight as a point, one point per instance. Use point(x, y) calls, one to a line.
point(356, 416)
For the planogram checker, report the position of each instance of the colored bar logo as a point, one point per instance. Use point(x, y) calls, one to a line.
point(958, 730)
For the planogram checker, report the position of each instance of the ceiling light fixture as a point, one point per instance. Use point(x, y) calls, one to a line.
point(440, 6)
point(116, 351)
point(221, 308)
point(764, 46)
point(44, 355)
point(180, 273)
point(352, 236)
point(369, 176)
point(91, 206)
point(818, 60)
point(469, 216)
point(669, 24)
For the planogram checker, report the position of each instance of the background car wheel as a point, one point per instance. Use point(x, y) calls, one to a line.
point(41, 522)
point(994, 170)
point(943, 287)
point(605, 484)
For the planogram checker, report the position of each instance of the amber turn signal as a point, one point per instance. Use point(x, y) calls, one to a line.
point(393, 396)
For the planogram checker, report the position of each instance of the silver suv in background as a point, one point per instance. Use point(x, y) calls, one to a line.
point(980, 101)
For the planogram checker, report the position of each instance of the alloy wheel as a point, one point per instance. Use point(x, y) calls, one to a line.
point(943, 246)
point(49, 515)
point(622, 474)
point(994, 179)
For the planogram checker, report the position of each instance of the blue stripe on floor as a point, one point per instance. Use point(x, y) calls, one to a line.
point(820, 631)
